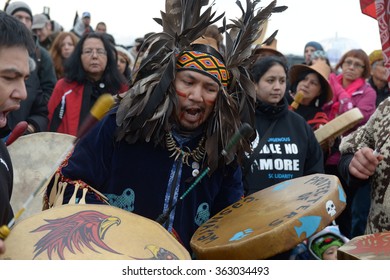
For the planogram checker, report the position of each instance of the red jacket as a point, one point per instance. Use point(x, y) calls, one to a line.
point(69, 96)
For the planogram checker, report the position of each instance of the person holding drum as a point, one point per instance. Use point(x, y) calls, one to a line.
point(285, 146)
point(15, 44)
point(365, 160)
point(312, 82)
point(90, 71)
point(169, 151)
point(148, 178)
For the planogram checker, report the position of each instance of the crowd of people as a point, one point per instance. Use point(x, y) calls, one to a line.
point(176, 112)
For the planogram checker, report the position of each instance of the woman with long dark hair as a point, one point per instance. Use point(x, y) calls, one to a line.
point(90, 71)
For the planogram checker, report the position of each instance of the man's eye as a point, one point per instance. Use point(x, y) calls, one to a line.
point(8, 78)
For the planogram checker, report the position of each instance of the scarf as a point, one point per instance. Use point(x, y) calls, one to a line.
point(350, 89)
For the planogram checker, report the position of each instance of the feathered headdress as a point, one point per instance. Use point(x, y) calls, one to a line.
point(145, 110)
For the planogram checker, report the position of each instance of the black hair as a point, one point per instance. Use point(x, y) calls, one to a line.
point(14, 33)
point(261, 66)
point(74, 70)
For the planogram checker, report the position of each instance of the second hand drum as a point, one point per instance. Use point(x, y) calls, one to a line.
point(271, 221)
point(33, 157)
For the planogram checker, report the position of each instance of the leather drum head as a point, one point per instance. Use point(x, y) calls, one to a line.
point(272, 220)
point(34, 158)
point(338, 126)
point(91, 232)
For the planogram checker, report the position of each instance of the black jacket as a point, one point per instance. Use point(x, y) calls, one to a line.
point(291, 150)
point(39, 87)
point(6, 181)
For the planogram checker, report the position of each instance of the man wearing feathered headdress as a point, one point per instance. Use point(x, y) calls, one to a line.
point(159, 153)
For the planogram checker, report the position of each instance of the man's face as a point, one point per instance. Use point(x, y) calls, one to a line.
point(24, 17)
point(197, 94)
point(379, 71)
point(14, 70)
point(308, 52)
point(86, 21)
point(43, 33)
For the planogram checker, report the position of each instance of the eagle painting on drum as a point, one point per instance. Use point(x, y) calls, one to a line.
point(77, 232)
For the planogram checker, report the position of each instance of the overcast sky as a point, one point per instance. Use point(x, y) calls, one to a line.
point(326, 21)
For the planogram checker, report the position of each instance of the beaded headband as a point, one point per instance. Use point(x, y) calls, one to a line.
point(204, 63)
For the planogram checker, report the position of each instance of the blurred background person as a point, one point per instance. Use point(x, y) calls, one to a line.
point(61, 49)
point(42, 28)
point(125, 62)
point(102, 28)
point(311, 47)
point(312, 83)
point(379, 74)
point(90, 71)
point(350, 90)
point(86, 19)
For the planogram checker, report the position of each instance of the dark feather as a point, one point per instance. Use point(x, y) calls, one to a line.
point(279, 9)
point(144, 114)
point(145, 110)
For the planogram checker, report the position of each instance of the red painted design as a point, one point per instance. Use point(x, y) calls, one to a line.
point(84, 229)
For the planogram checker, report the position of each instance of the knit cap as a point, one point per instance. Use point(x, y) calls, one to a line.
point(14, 7)
point(315, 45)
point(375, 56)
point(323, 243)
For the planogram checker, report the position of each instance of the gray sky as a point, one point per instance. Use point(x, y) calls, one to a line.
point(326, 21)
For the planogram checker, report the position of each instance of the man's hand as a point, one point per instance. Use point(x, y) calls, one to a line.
point(364, 163)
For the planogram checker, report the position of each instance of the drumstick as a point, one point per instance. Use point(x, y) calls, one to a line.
point(297, 100)
point(244, 132)
point(98, 111)
point(18, 131)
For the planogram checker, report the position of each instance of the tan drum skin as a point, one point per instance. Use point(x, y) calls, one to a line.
point(33, 158)
point(271, 221)
point(338, 126)
point(91, 232)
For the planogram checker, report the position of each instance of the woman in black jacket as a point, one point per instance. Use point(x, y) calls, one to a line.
point(285, 146)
